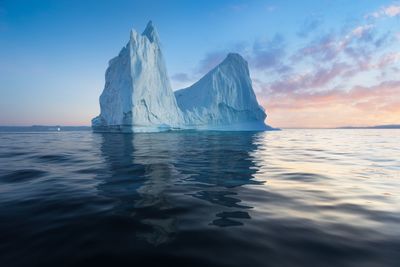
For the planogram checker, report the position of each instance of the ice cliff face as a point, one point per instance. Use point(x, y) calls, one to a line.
point(223, 99)
point(137, 95)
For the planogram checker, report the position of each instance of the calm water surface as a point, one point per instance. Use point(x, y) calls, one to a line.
point(288, 198)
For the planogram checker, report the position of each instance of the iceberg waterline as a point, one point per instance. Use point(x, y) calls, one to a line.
point(138, 97)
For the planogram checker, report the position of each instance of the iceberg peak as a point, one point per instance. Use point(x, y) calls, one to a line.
point(151, 33)
point(235, 61)
point(235, 57)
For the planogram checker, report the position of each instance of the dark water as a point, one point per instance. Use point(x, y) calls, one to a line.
point(289, 198)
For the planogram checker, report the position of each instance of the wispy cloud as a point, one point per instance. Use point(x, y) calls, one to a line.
point(386, 11)
point(309, 80)
point(330, 46)
point(361, 105)
point(310, 24)
point(362, 31)
point(388, 60)
point(319, 78)
point(268, 54)
point(354, 96)
point(325, 47)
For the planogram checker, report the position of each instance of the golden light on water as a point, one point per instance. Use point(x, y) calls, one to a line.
point(326, 172)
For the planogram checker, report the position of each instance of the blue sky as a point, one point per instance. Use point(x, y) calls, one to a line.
point(313, 63)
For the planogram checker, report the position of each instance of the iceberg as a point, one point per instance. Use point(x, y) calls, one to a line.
point(223, 99)
point(138, 97)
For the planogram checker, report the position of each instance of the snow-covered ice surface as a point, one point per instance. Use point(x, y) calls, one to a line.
point(137, 95)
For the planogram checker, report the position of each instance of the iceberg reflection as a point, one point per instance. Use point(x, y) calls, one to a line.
point(157, 178)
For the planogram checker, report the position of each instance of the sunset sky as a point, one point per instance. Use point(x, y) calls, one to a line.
point(315, 63)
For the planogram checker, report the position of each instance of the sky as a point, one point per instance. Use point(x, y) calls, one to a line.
point(321, 63)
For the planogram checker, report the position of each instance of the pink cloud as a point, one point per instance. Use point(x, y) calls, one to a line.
point(360, 31)
point(298, 82)
point(387, 11)
point(378, 104)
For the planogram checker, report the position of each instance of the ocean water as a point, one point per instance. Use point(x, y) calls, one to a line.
point(284, 198)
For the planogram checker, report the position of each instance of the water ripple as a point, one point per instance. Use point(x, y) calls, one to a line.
point(22, 176)
point(288, 198)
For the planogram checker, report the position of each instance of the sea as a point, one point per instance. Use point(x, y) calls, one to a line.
point(295, 197)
